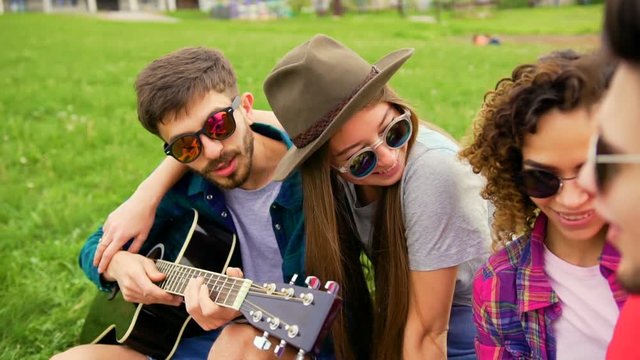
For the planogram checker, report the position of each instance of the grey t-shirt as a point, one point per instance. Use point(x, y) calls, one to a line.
point(261, 258)
point(446, 220)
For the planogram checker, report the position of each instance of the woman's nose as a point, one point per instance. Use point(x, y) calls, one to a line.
point(572, 195)
point(386, 156)
point(586, 178)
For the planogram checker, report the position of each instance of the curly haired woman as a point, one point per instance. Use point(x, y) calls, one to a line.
point(549, 290)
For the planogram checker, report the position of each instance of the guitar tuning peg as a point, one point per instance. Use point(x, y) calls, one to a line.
point(300, 355)
point(279, 349)
point(293, 279)
point(261, 342)
point(332, 287)
point(312, 282)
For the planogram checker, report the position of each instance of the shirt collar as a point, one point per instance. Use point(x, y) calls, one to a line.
point(532, 284)
point(609, 258)
point(533, 287)
point(290, 195)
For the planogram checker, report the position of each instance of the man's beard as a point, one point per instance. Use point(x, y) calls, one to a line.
point(243, 165)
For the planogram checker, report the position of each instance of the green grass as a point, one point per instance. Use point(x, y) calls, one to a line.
point(72, 148)
point(543, 20)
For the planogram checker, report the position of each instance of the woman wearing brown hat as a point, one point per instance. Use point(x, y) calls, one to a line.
point(371, 172)
point(380, 185)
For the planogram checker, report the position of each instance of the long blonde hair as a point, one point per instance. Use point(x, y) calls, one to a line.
point(333, 253)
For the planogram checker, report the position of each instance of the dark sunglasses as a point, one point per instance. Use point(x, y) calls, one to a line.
point(540, 183)
point(396, 134)
point(219, 125)
point(606, 161)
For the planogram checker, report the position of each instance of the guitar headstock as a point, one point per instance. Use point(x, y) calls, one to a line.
point(295, 315)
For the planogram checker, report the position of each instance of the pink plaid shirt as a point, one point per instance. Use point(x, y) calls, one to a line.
point(514, 304)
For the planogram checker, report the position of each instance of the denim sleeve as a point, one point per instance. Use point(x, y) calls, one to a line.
point(86, 261)
point(168, 208)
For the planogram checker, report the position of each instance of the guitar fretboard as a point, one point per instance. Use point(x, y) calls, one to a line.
point(223, 290)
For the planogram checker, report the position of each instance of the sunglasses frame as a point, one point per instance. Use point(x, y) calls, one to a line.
point(168, 148)
point(405, 116)
point(607, 159)
point(561, 181)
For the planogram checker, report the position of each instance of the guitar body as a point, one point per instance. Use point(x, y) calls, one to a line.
point(156, 329)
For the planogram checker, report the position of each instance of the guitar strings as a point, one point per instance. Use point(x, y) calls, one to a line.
point(182, 268)
point(178, 272)
point(183, 272)
point(233, 289)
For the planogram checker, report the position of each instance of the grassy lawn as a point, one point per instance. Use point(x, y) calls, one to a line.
point(72, 148)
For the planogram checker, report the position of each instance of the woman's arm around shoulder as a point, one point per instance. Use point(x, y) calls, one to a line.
point(133, 218)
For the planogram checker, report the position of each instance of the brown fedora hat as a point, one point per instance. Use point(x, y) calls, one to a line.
point(318, 86)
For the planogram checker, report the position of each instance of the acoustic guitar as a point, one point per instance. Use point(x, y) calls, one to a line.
point(297, 316)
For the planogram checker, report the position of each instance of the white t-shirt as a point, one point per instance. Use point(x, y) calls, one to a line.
point(261, 258)
point(446, 220)
point(589, 310)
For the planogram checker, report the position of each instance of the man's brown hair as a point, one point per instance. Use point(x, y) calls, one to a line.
point(622, 29)
point(167, 85)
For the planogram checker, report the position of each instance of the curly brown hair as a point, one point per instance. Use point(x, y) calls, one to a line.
point(563, 81)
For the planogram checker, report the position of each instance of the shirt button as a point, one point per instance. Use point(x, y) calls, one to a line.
point(223, 214)
point(277, 226)
point(209, 197)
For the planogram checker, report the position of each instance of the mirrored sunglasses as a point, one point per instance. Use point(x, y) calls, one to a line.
point(219, 125)
point(395, 135)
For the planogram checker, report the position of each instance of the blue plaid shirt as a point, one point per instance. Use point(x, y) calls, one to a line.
point(193, 191)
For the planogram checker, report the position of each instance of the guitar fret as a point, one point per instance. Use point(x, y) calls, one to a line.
point(180, 280)
point(207, 281)
point(223, 290)
point(190, 274)
point(177, 280)
point(200, 273)
point(229, 293)
point(219, 292)
point(214, 287)
point(165, 268)
point(174, 272)
point(160, 266)
point(183, 279)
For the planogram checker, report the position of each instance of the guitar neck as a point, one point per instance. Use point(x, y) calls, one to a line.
point(223, 290)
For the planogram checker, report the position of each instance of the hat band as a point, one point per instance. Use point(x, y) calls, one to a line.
point(303, 139)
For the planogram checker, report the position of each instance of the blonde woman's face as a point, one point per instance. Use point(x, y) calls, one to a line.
point(560, 147)
point(365, 129)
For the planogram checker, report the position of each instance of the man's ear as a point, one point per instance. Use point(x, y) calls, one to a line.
point(246, 103)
